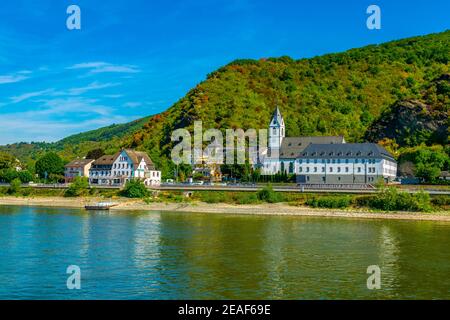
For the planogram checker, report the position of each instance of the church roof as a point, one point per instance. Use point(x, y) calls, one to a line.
point(276, 117)
point(346, 150)
point(291, 147)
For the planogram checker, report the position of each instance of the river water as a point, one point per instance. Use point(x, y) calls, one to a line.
point(156, 255)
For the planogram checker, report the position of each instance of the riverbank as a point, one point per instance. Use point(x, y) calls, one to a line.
point(223, 208)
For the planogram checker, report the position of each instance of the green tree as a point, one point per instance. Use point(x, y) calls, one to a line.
point(429, 163)
point(25, 176)
point(15, 186)
point(78, 187)
point(50, 166)
point(7, 161)
point(135, 189)
point(95, 153)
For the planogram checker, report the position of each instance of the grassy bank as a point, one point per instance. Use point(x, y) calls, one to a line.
point(387, 199)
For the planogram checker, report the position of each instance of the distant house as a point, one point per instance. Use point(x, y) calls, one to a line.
point(127, 164)
point(77, 168)
point(445, 175)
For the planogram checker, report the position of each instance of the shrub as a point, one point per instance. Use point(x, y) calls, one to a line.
point(246, 198)
point(389, 199)
point(79, 187)
point(441, 201)
point(135, 189)
point(268, 195)
point(25, 176)
point(212, 197)
point(332, 202)
point(15, 186)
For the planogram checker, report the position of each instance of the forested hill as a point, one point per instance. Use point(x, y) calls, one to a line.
point(334, 94)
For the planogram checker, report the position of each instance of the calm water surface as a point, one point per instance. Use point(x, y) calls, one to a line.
point(142, 255)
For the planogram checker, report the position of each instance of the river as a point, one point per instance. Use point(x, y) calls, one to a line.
point(165, 255)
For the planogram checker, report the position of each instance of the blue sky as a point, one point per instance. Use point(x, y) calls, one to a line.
point(135, 58)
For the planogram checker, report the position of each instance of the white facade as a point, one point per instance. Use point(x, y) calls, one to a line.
point(276, 131)
point(124, 166)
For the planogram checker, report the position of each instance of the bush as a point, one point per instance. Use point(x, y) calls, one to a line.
point(212, 197)
point(15, 186)
point(79, 187)
point(245, 198)
point(135, 189)
point(441, 201)
point(25, 176)
point(332, 202)
point(390, 199)
point(268, 195)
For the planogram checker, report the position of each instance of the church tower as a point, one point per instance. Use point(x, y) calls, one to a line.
point(276, 131)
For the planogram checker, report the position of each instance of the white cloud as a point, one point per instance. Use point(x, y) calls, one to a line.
point(29, 95)
point(12, 78)
point(104, 67)
point(93, 86)
point(132, 104)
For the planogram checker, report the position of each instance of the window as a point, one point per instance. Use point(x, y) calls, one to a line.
point(307, 169)
point(315, 169)
point(346, 169)
point(339, 169)
point(331, 169)
point(359, 169)
point(323, 169)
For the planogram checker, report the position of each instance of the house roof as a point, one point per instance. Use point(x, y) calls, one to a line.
point(346, 150)
point(105, 160)
point(135, 156)
point(79, 163)
point(291, 147)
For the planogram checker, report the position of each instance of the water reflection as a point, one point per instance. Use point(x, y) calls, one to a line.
point(195, 256)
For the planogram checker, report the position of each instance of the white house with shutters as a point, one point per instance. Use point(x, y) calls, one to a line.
point(125, 165)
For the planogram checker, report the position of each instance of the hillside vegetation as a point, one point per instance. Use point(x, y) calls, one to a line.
point(355, 93)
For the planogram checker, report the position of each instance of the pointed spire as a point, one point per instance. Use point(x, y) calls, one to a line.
point(276, 117)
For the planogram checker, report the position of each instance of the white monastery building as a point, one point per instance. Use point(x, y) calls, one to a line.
point(324, 160)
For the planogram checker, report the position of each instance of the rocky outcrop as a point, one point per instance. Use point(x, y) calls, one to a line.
point(409, 123)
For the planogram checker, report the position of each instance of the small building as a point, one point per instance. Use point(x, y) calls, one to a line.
point(125, 165)
point(347, 163)
point(445, 175)
point(77, 168)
